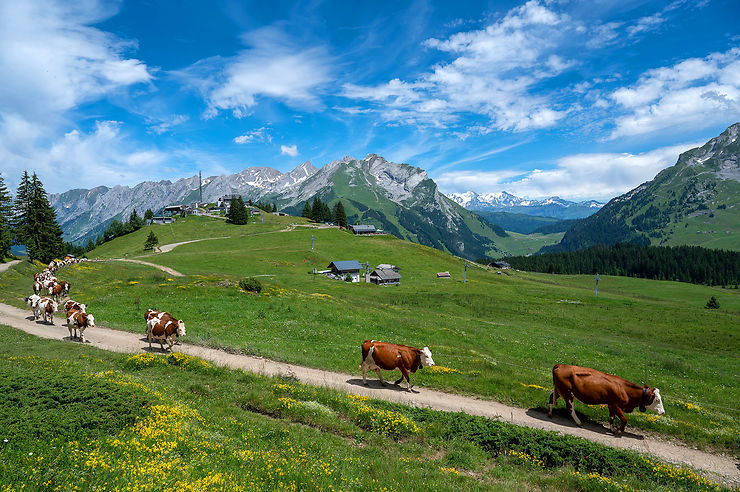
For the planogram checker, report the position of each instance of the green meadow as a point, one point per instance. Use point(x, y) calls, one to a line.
point(74, 417)
point(496, 336)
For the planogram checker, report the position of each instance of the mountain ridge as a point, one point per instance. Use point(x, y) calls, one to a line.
point(399, 198)
point(694, 202)
point(503, 201)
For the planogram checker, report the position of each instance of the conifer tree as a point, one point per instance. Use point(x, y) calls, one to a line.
point(340, 216)
point(148, 215)
point(316, 210)
point(306, 211)
point(90, 246)
point(21, 208)
point(135, 221)
point(151, 241)
point(6, 217)
point(238, 213)
point(36, 222)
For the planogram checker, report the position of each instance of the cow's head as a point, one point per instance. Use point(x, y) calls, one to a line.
point(656, 405)
point(91, 320)
point(33, 301)
point(426, 357)
point(180, 328)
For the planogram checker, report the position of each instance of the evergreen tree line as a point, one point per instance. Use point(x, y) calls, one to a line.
point(691, 264)
point(29, 220)
point(118, 228)
point(238, 213)
point(319, 211)
point(267, 207)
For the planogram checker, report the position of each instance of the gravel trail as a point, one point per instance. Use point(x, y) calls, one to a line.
point(719, 467)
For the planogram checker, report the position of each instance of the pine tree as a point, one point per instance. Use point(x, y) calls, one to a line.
point(90, 246)
point(238, 213)
point(306, 211)
point(36, 221)
point(135, 221)
point(148, 215)
point(151, 241)
point(340, 216)
point(316, 209)
point(21, 209)
point(6, 219)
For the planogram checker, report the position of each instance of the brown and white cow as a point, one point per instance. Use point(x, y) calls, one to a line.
point(77, 321)
point(37, 287)
point(74, 306)
point(33, 303)
point(594, 387)
point(163, 327)
point(389, 357)
point(56, 290)
point(48, 307)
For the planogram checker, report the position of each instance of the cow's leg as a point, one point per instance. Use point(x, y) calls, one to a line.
point(553, 401)
point(149, 336)
point(621, 416)
point(380, 376)
point(82, 334)
point(405, 374)
point(569, 403)
point(397, 382)
point(364, 373)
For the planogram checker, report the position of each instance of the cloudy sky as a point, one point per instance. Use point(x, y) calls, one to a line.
point(577, 99)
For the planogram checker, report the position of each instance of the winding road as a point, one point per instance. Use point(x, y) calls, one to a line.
point(718, 467)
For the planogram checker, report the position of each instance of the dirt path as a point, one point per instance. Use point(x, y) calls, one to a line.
point(5, 266)
point(165, 269)
point(169, 247)
point(719, 467)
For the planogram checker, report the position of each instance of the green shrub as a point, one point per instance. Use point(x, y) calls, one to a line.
point(712, 303)
point(44, 400)
point(250, 284)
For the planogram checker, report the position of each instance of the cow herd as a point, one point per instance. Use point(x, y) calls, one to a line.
point(571, 383)
point(77, 317)
point(160, 326)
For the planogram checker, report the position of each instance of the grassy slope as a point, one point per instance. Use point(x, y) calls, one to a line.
point(210, 428)
point(526, 244)
point(500, 334)
point(187, 228)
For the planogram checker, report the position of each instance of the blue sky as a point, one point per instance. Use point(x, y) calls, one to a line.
point(577, 99)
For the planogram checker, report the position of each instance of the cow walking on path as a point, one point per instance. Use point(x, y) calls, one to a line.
point(594, 387)
point(389, 357)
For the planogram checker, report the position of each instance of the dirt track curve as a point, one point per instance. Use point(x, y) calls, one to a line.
point(165, 269)
point(721, 468)
point(5, 266)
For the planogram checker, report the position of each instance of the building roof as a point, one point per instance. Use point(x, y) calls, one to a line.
point(501, 264)
point(386, 274)
point(363, 228)
point(175, 207)
point(346, 266)
point(387, 266)
point(443, 275)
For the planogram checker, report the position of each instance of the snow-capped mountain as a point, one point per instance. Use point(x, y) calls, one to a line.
point(398, 198)
point(506, 202)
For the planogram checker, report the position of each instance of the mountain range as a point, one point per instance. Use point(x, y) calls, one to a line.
point(398, 198)
point(694, 202)
point(554, 207)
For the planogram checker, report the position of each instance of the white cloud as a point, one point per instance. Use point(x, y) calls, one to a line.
point(695, 93)
point(291, 150)
point(578, 177)
point(51, 60)
point(258, 135)
point(273, 67)
point(104, 156)
point(168, 124)
point(494, 74)
point(644, 24)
